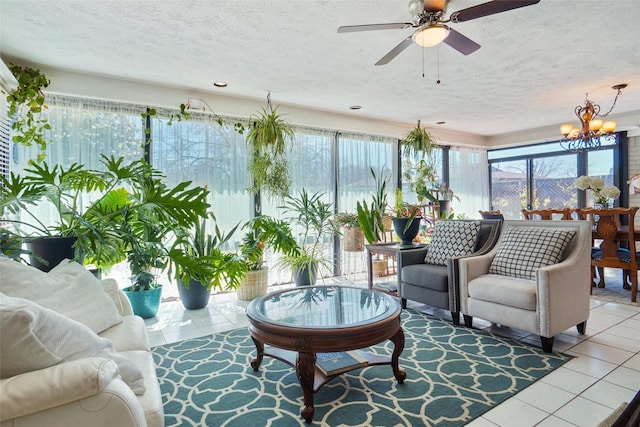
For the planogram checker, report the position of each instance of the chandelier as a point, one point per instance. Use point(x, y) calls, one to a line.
point(592, 126)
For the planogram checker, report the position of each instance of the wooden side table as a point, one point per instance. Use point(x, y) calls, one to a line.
point(389, 249)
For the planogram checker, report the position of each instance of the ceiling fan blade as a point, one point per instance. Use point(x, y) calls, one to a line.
point(461, 43)
point(373, 27)
point(490, 8)
point(395, 51)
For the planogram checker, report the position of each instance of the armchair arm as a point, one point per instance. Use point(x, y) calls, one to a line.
point(54, 386)
point(568, 280)
point(119, 298)
point(411, 257)
point(468, 269)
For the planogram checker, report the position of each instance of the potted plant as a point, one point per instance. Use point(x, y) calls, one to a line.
point(445, 196)
point(406, 220)
point(314, 216)
point(267, 139)
point(78, 197)
point(199, 264)
point(25, 105)
point(262, 233)
point(371, 215)
point(353, 236)
point(418, 142)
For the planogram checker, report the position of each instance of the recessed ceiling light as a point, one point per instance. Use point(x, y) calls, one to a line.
point(220, 84)
point(355, 107)
point(440, 123)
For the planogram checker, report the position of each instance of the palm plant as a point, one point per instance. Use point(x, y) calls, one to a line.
point(315, 217)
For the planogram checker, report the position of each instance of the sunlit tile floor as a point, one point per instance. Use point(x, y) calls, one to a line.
point(604, 373)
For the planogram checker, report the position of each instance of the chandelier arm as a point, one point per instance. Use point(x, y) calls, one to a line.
point(614, 103)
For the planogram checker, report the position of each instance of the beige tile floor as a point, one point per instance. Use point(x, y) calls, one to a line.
point(584, 391)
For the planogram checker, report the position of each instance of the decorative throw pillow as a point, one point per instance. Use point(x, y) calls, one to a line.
point(523, 250)
point(70, 289)
point(451, 239)
point(34, 337)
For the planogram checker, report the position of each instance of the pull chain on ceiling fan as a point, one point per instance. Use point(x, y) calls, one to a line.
point(431, 28)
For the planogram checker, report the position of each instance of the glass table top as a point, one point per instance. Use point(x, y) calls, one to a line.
point(322, 307)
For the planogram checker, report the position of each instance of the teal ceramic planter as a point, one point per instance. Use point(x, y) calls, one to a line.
point(145, 303)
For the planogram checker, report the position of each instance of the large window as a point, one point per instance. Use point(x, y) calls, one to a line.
point(543, 175)
point(200, 150)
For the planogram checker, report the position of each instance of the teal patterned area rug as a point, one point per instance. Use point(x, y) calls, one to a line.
point(454, 374)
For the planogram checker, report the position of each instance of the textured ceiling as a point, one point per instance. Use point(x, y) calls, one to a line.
point(534, 67)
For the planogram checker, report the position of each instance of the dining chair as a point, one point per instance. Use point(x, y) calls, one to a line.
point(607, 228)
point(491, 214)
point(547, 214)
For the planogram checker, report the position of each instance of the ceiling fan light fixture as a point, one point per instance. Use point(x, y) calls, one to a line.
point(431, 35)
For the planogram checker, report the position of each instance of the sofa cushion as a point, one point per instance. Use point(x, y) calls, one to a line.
point(451, 239)
point(522, 250)
point(130, 334)
point(34, 337)
point(69, 288)
point(427, 276)
point(507, 291)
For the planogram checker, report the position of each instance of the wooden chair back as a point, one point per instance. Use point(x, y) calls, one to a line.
point(607, 229)
point(547, 214)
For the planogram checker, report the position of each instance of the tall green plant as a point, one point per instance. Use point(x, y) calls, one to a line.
point(263, 232)
point(370, 215)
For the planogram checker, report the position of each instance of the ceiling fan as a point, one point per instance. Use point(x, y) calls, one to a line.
point(428, 18)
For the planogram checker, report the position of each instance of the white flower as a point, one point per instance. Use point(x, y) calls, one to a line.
point(583, 182)
point(597, 183)
point(610, 192)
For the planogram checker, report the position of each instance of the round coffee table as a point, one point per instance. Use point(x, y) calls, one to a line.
point(298, 323)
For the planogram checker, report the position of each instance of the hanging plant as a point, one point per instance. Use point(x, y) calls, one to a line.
point(267, 140)
point(418, 142)
point(25, 105)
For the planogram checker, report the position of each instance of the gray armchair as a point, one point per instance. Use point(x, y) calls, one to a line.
point(436, 282)
point(536, 279)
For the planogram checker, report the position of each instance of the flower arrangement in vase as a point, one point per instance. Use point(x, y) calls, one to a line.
point(603, 195)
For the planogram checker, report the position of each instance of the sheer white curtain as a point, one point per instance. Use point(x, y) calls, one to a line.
point(469, 180)
point(312, 168)
point(84, 129)
point(202, 151)
point(358, 154)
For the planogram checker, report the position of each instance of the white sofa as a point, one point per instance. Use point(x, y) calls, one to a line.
point(84, 389)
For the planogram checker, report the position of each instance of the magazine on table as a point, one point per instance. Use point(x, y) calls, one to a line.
point(339, 362)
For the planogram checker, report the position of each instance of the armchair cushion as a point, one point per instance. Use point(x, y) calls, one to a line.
point(504, 290)
point(452, 239)
point(34, 337)
point(69, 289)
point(522, 250)
point(427, 275)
